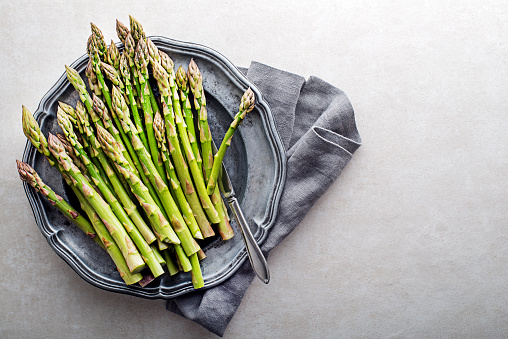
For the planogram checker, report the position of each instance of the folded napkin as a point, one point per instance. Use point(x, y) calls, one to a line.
point(316, 123)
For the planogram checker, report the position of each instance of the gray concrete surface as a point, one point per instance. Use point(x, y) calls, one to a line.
point(411, 240)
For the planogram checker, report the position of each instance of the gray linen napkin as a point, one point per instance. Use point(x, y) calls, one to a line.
point(316, 123)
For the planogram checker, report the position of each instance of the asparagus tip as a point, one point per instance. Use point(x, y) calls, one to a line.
point(248, 100)
point(21, 170)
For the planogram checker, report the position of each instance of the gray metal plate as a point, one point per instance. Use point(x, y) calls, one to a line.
point(255, 161)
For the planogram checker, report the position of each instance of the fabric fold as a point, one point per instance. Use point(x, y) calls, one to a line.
point(316, 123)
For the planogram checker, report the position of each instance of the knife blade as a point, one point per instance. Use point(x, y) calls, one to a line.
point(256, 257)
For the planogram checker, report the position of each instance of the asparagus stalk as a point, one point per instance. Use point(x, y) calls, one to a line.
point(76, 81)
point(92, 79)
point(153, 57)
point(121, 31)
point(130, 51)
point(170, 264)
point(71, 153)
point(186, 209)
point(99, 231)
point(102, 118)
point(98, 38)
point(198, 205)
point(197, 276)
point(182, 82)
point(141, 60)
point(136, 30)
point(205, 137)
point(225, 230)
point(170, 206)
point(153, 52)
point(162, 245)
point(29, 175)
point(82, 122)
point(126, 74)
point(115, 227)
point(246, 105)
point(158, 255)
point(177, 118)
point(157, 219)
point(113, 75)
point(113, 55)
point(183, 259)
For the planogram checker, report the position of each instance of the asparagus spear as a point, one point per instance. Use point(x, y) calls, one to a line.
point(98, 38)
point(158, 255)
point(170, 206)
point(113, 55)
point(246, 105)
point(183, 260)
point(76, 81)
point(182, 82)
point(130, 51)
point(141, 60)
point(121, 31)
point(136, 30)
point(170, 264)
point(140, 36)
point(157, 219)
point(28, 174)
point(186, 209)
point(198, 205)
point(153, 52)
point(121, 137)
point(112, 74)
point(115, 228)
point(92, 79)
point(74, 157)
point(196, 84)
point(161, 75)
point(197, 276)
point(205, 137)
point(126, 74)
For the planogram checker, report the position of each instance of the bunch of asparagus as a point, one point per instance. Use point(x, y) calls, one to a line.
point(144, 177)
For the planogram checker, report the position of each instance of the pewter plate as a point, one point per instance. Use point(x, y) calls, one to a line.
point(255, 161)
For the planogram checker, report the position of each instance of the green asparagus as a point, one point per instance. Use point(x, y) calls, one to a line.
point(246, 105)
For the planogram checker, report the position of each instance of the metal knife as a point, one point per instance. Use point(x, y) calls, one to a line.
point(256, 257)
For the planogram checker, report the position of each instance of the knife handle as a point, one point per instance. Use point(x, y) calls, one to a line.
point(256, 257)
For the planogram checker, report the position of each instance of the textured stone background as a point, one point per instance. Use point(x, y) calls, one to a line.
point(411, 241)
